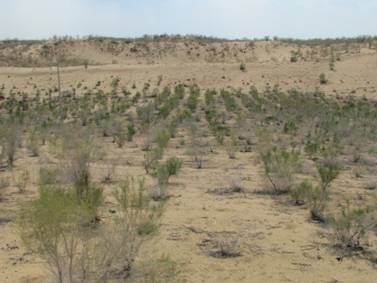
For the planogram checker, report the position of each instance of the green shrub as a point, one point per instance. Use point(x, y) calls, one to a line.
point(22, 180)
point(151, 160)
point(10, 140)
point(193, 99)
point(351, 226)
point(167, 169)
point(162, 139)
point(243, 67)
point(60, 229)
point(48, 176)
point(173, 166)
point(131, 131)
point(299, 193)
point(33, 144)
point(4, 183)
point(322, 79)
point(120, 138)
point(317, 200)
point(279, 167)
point(328, 171)
point(50, 225)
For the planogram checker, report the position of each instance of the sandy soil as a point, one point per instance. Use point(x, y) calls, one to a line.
point(278, 242)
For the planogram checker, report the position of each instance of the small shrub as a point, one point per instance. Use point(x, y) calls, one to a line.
point(109, 173)
point(120, 138)
point(317, 200)
point(162, 139)
point(4, 183)
point(350, 227)
point(279, 166)
point(299, 193)
point(11, 139)
point(22, 180)
point(59, 228)
point(151, 159)
point(163, 173)
point(33, 144)
point(50, 221)
point(48, 176)
point(131, 131)
point(322, 79)
point(231, 147)
point(243, 67)
point(328, 171)
point(173, 166)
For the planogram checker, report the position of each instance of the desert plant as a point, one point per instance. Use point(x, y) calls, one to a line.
point(243, 67)
point(58, 228)
point(162, 139)
point(198, 148)
point(4, 183)
point(120, 138)
point(317, 200)
point(163, 173)
point(48, 176)
point(322, 79)
point(11, 139)
point(151, 159)
point(173, 166)
point(109, 171)
point(33, 143)
point(50, 225)
point(328, 171)
point(163, 269)
point(231, 147)
point(193, 99)
point(131, 131)
point(167, 169)
point(279, 166)
point(350, 227)
point(299, 193)
point(22, 180)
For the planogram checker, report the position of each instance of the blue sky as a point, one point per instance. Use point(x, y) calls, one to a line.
point(28, 19)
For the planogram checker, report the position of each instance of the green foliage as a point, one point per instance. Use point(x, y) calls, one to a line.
point(151, 160)
point(351, 226)
point(295, 56)
point(33, 143)
point(132, 194)
point(167, 169)
point(328, 171)
point(300, 192)
point(290, 127)
point(322, 79)
point(21, 180)
point(120, 138)
point(230, 102)
point(192, 100)
point(131, 131)
point(243, 67)
point(162, 139)
point(280, 165)
point(48, 176)
point(60, 229)
point(48, 225)
point(317, 200)
point(10, 137)
point(173, 166)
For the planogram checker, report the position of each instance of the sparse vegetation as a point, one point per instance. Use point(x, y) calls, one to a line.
point(350, 228)
point(85, 218)
point(322, 79)
point(280, 166)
